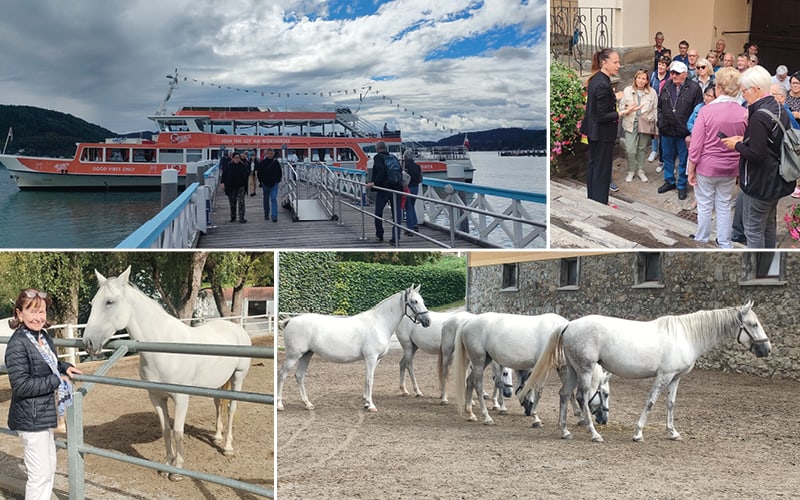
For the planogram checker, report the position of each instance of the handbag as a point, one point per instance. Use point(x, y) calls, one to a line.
point(647, 125)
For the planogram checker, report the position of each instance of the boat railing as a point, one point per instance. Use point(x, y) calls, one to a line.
point(180, 223)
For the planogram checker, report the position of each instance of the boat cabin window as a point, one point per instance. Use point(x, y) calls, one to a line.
point(222, 128)
point(118, 154)
point(346, 154)
point(170, 156)
point(245, 128)
point(144, 155)
point(92, 154)
point(178, 125)
point(194, 155)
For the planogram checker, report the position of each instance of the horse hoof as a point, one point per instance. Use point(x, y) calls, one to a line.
point(419, 395)
point(444, 402)
point(472, 418)
point(597, 439)
point(567, 436)
point(279, 407)
point(536, 424)
point(229, 452)
point(175, 477)
point(638, 439)
point(503, 412)
point(488, 422)
point(372, 410)
point(309, 407)
point(676, 437)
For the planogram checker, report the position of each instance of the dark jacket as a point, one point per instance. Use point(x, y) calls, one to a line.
point(33, 384)
point(235, 176)
point(269, 172)
point(672, 119)
point(600, 120)
point(760, 153)
point(414, 170)
point(379, 175)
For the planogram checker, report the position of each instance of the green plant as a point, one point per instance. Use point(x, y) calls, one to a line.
point(567, 103)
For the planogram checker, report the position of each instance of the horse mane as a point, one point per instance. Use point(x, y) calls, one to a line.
point(705, 327)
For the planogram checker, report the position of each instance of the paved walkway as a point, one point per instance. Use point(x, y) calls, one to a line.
point(642, 217)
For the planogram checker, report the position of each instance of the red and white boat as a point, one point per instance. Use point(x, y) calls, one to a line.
point(335, 136)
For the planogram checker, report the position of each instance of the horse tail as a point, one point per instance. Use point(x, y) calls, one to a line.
point(459, 370)
point(282, 324)
point(552, 356)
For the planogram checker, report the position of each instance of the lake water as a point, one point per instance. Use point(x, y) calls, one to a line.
point(97, 220)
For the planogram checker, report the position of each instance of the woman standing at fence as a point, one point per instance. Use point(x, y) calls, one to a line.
point(600, 123)
point(39, 389)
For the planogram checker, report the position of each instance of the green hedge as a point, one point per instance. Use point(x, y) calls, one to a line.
point(315, 282)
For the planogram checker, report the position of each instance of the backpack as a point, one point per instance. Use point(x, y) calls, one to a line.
point(394, 172)
point(790, 149)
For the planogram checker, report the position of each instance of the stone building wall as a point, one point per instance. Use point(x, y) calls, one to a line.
point(691, 281)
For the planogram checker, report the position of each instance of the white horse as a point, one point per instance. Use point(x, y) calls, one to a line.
point(517, 342)
point(665, 348)
point(119, 305)
point(445, 359)
point(347, 339)
point(413, 336)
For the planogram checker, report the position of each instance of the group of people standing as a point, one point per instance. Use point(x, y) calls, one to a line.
point(389, 185)
point(710, 136)
point(240, 176)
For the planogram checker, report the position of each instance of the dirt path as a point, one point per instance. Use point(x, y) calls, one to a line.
point(740, 440)
point(123, 420)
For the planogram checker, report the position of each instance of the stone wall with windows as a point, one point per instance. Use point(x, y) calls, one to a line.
point(623, 285)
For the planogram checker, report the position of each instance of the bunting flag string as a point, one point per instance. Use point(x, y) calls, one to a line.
point(362, 92)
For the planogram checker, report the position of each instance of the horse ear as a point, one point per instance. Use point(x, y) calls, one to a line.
point(101, 280)
point(747, 306)
point(417, 288)
point(125, 274)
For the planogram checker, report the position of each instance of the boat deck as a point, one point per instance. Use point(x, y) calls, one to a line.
point(285, 234)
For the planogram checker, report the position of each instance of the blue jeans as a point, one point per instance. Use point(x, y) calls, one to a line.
point(381, 199)
point(270, 200)
point(670, 148)
point(411, 209)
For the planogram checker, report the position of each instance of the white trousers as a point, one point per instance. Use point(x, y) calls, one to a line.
point(40, 460)
point(714, 194)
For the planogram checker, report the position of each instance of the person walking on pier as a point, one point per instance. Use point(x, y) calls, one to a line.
point(234, 178)
point(415, 173)
point(269, 176)
point(387, 175)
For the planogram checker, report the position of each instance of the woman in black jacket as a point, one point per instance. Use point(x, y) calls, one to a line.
point(35, 374)
point(759, 163)
point(600, 123)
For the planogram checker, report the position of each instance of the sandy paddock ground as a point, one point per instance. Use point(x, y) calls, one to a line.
point(740, 440)
point(124, 421)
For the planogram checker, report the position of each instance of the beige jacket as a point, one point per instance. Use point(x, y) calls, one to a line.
point(649, 105)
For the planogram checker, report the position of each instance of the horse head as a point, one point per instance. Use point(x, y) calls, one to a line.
point(414, 303)
point(751, 334)
point(109, 312)
point(598, 403)
point(504, 383)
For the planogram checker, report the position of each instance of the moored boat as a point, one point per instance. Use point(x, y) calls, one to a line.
point(335, 136)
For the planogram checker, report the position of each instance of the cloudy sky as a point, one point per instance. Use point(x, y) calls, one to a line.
point(463, 65)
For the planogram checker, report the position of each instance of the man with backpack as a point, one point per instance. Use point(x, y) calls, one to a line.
point(388, 174)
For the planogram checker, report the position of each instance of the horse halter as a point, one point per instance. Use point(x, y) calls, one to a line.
point(601, 407)
point(753, 340)
point(416, 314)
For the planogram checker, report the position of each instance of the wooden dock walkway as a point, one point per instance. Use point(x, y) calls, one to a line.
point(285, 234)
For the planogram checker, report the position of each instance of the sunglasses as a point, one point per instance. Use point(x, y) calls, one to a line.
point(33, 293)
point(701, 67)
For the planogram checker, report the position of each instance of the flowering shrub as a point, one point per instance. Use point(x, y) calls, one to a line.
point(567, 102)
point(792, 219)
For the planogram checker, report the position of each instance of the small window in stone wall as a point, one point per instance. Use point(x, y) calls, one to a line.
point(510, 275)
point(568, 278)
point(648, 270)
point(763, 268)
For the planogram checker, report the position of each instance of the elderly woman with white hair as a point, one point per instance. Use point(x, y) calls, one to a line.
point(712, 168)
point(759, 159)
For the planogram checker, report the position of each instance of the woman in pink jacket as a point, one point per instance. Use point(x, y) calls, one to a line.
point(712, 167)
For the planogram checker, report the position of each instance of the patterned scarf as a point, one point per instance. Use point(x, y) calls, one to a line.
point(64, 393)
